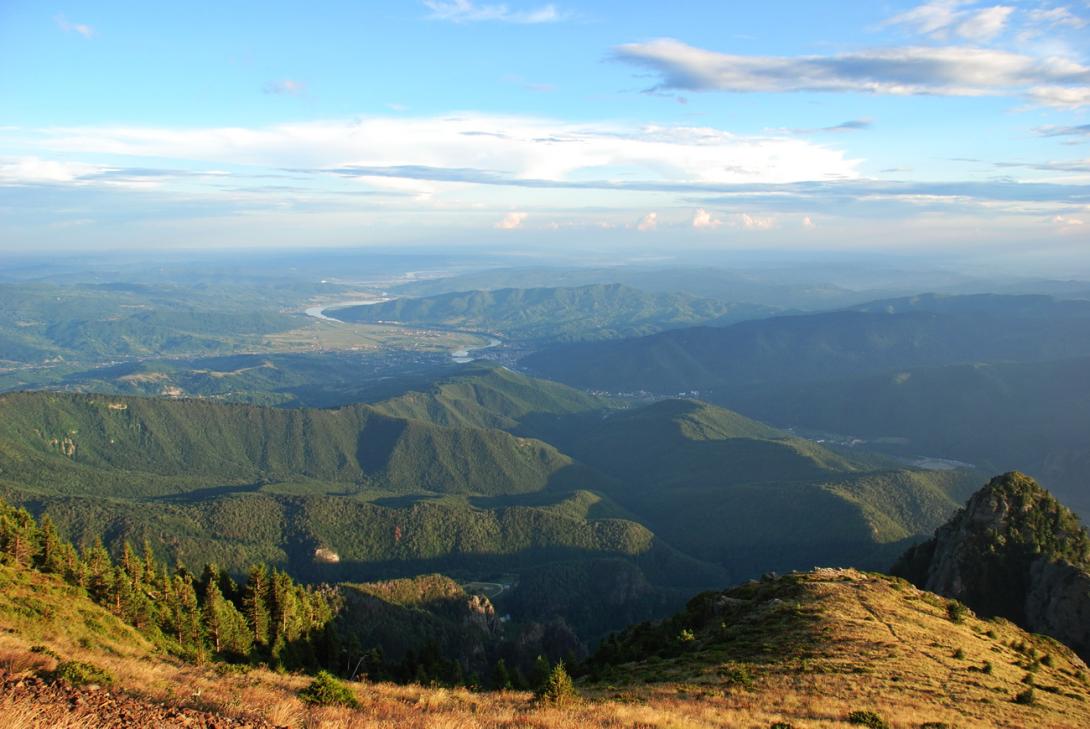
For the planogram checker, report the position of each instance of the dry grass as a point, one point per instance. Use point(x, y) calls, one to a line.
point(884, 647)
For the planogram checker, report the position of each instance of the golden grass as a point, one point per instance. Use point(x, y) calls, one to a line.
point(884, 646)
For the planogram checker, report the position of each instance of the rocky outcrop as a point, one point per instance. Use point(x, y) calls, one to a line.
point(1015, 552)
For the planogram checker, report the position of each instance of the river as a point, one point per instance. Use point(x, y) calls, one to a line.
point(461, 356)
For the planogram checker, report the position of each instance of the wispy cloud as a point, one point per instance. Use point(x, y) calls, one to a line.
point(1059, 17)
point(943, 19)
point(1082, 130)
point(69, 27)
point(285, 86)
point(467, 11)
point(945, 71)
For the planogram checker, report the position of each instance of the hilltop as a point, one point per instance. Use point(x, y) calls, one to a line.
point(807, 649)
point(819, 644)
point(1016, 552)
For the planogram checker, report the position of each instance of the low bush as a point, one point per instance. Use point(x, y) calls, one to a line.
point(328, 690)
point(868, 719)
point(79, 673)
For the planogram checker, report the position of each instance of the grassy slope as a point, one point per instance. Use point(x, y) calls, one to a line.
point(871, 643)
point(832, 637)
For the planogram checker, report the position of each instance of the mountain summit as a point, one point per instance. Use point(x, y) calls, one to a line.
point(1013, 551)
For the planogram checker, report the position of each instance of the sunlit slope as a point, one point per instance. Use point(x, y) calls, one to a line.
point(141, 447)
point(827, 642)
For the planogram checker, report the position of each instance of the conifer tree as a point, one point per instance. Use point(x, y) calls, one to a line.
point(255, 603)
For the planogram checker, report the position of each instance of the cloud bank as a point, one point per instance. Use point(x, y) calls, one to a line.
point(943, 71)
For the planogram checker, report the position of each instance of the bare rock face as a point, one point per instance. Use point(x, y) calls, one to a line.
point(481, 613)
point(1016, 552)
point(1058, 603)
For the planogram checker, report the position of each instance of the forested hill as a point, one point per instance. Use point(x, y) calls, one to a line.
point(816, 347)
point(484, 472)
point(552, 314)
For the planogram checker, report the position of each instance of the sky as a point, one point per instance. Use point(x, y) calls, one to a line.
point(948, 125)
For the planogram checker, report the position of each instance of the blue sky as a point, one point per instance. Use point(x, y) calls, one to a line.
point(526, 125)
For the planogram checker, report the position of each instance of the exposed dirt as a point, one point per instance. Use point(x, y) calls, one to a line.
point(92, 706)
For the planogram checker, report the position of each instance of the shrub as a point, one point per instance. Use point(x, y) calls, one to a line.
point(956, 611)
point(558, 687)
point(1026, 698)
point(328, 690)
point(868, 719)
point(686, 636)
point(959, 654)
point(79, 673)
point(44, 650)
point(736, 675)
point(988, 667)
point(781, 725)
point(1046, 660)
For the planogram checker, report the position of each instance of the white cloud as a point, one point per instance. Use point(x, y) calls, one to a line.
point(1060, 97)
point(510, 221)
point(808, 222)
point(31, 170)
point(756, 222)
point(946, 70)
point(471, 148)
point(1057, 17)
point(985, 24)
point(648, 222)
point(467, 11)
point(703, 219)
point(286, 86)
point(941, 19)
point(68, 27)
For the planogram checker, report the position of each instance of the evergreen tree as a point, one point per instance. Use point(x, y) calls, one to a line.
point(51, 557)
point(255, 604)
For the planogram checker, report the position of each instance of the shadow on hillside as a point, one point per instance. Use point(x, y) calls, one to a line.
point(211, 492)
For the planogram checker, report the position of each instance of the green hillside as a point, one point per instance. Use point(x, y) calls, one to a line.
point(148, 447)
point(737, 492)
point(479, 472)
point(40, 321)
point(818, 347)
point(598, 311)
point(487, 396)
point(1031, 416)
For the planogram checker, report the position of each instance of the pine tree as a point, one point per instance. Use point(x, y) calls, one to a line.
point(100, 572)
point(18, 536)
point(255, 603)
point(51, 556)
point(501, 677)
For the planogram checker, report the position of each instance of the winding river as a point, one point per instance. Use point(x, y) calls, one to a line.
point(461, 356)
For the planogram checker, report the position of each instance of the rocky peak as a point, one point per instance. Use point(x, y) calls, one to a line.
point(1013, 551)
